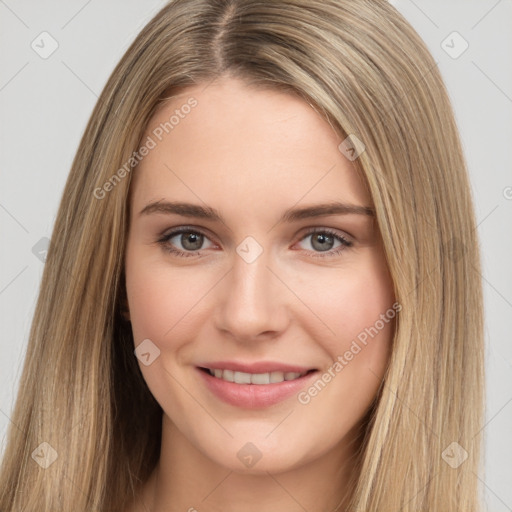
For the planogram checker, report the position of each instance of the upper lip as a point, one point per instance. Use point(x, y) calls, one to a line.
point(257, 367)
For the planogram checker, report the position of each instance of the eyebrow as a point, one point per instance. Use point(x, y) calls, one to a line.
point(290, 215)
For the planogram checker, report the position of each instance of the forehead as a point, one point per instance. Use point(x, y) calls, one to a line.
point(226, 139)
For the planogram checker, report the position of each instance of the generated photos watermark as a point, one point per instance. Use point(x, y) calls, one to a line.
point(151, 142)
point(357, 345)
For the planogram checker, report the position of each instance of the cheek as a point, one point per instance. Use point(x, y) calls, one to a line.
point(152, 302)
point(359, 309)
point(355, 309)
point(162, 302)
point(349, 301)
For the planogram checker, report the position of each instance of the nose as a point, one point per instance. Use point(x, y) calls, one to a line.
point(251, 304)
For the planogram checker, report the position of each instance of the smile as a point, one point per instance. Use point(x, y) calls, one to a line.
point(263, 386)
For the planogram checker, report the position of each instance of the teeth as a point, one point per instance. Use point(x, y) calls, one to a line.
point(260, 378)
point(228, 375)
point(276, 377)
point(254, 378)
point(242, 378)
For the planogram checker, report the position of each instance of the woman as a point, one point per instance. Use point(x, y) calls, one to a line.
point(262, 289)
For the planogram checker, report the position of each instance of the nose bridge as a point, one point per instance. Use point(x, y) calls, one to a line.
point(253, 301)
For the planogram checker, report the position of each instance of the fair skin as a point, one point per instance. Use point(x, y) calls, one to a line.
point(251, 154)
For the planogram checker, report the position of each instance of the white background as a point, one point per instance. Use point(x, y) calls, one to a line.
point(45, 104)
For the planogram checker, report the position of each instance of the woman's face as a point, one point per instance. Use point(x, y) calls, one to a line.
point(235, 264)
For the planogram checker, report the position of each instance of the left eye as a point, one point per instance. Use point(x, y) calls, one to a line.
point(323, 240)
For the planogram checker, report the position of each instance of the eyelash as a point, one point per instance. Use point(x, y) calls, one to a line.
point(164, 242)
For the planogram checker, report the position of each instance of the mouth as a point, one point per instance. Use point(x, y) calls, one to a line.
point(254, 386)
point(259, 379)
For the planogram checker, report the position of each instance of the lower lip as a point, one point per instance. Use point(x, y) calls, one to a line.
point(254, 396)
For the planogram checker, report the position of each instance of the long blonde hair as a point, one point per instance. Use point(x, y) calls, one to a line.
point(363, 67)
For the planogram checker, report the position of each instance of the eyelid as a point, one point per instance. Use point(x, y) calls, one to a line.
point(185, 229)
point(324, 229)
